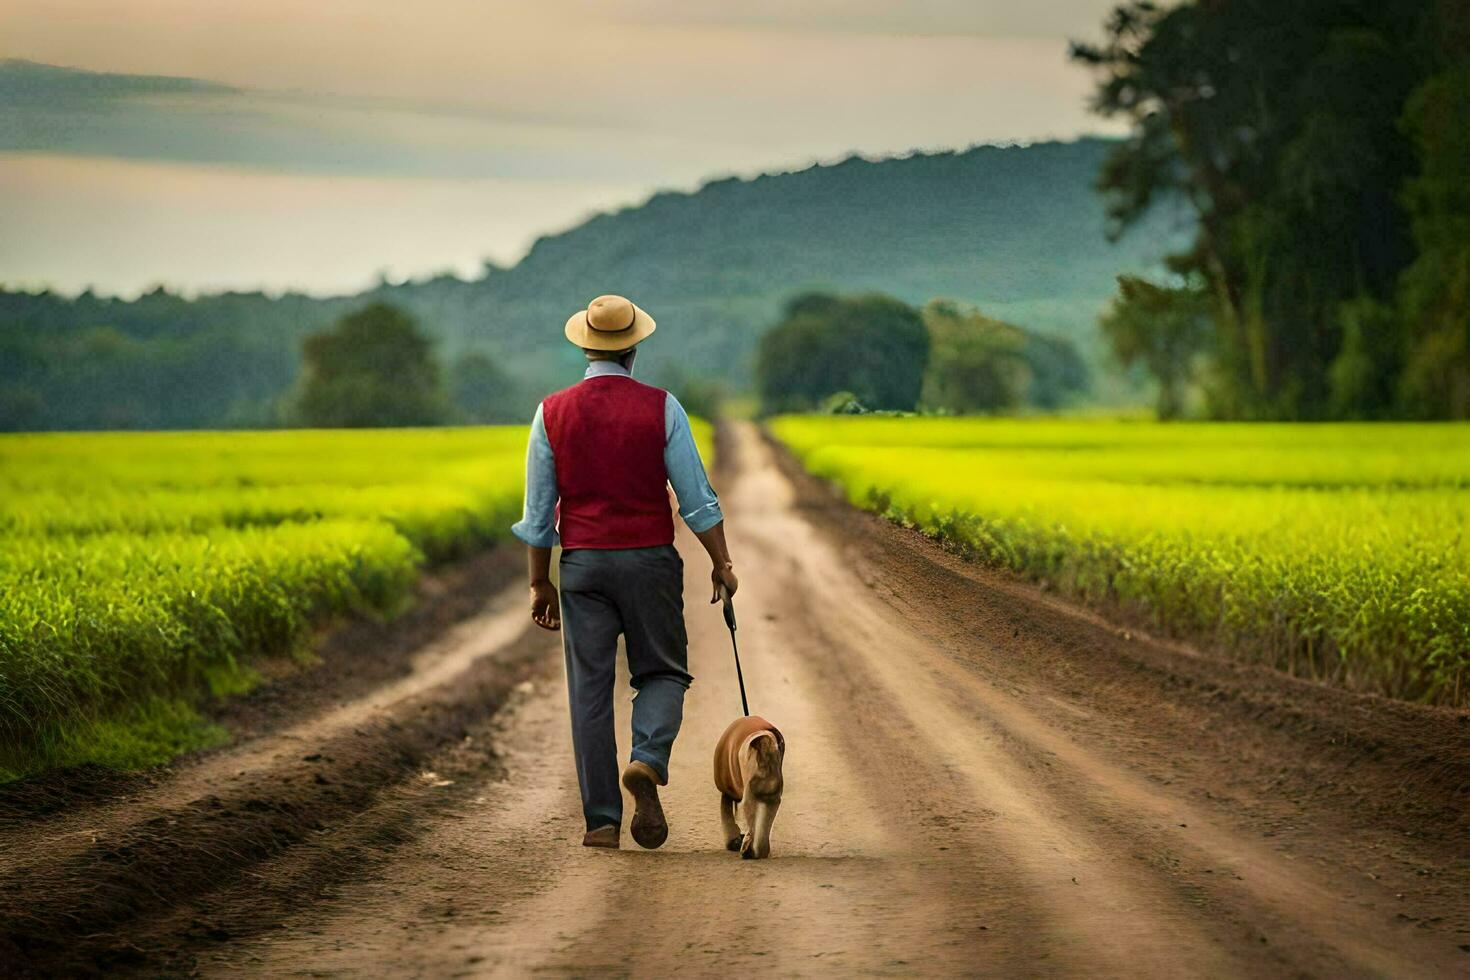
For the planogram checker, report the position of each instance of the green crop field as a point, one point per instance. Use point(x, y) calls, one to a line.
point(1332, 551)
point(142, 573)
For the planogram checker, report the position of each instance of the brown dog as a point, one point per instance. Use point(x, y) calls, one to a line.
point(748, 773)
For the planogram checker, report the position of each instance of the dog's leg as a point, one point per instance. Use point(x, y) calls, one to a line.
point(760, 830)
point(728, 826)
point(747, 818)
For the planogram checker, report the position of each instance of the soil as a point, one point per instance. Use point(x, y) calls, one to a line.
point(980, 778)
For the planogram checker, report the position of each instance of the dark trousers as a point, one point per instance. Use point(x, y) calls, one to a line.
point(637, 593)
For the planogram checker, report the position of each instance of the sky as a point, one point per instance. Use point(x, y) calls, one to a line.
point(244, 144)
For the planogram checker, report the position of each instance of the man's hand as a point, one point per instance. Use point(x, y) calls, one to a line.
point(545, 605)
point(723, 575)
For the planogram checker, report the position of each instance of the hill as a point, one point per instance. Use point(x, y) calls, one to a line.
point(1017, 230)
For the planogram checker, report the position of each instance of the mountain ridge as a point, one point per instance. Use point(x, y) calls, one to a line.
point(734, 249)
point(1016, 230)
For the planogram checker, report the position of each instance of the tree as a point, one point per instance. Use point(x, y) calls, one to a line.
point(700, 395)
point(1277, 124)
point(976, 364)
point(373, 368)
point(1164, 328)
point(979, 364)
point(483, 392)
point(1366, 373)
point(1435, 290)
point(873, 346)
point(1059, 375)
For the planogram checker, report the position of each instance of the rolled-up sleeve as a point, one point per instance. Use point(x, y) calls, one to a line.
point(698, 504)
point(537, 526)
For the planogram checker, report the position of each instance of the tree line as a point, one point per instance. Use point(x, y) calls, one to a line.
point(373, 365)
point(874, 352)
point(376, 367)
point(1324, 148)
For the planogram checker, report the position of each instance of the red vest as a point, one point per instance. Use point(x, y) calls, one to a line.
point(607, 439)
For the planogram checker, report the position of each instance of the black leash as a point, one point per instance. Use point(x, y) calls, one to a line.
point(730, 622)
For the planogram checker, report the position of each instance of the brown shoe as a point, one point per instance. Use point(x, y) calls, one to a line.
point(606, 836)
point(649, 827)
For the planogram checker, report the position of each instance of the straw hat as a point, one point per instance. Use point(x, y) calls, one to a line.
point(609, 323)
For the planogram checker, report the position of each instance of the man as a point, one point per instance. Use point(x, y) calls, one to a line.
point(601, 457)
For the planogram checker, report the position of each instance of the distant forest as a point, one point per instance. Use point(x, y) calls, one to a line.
point(1018, 232)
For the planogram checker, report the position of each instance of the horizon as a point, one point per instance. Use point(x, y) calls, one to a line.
point(212, 150)
point(469, 276)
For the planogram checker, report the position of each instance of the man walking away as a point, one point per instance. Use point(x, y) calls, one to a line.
point(602, 454)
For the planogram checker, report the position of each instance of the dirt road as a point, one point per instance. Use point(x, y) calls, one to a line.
point(980, 779)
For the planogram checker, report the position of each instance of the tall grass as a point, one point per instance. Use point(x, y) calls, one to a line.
point(1331, 551)
point(142, 573)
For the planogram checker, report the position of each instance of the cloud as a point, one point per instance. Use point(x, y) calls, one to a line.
point(29, 83)
point(684, 106)
point(68, 111)
point(931, 18)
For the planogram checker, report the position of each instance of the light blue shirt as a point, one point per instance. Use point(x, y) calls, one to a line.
point(698, 504)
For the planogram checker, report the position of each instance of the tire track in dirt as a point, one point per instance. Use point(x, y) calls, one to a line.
point(1094, 846)
point(1107, 919)
point(586, 910)
point(89, 890)
point(495, 624)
